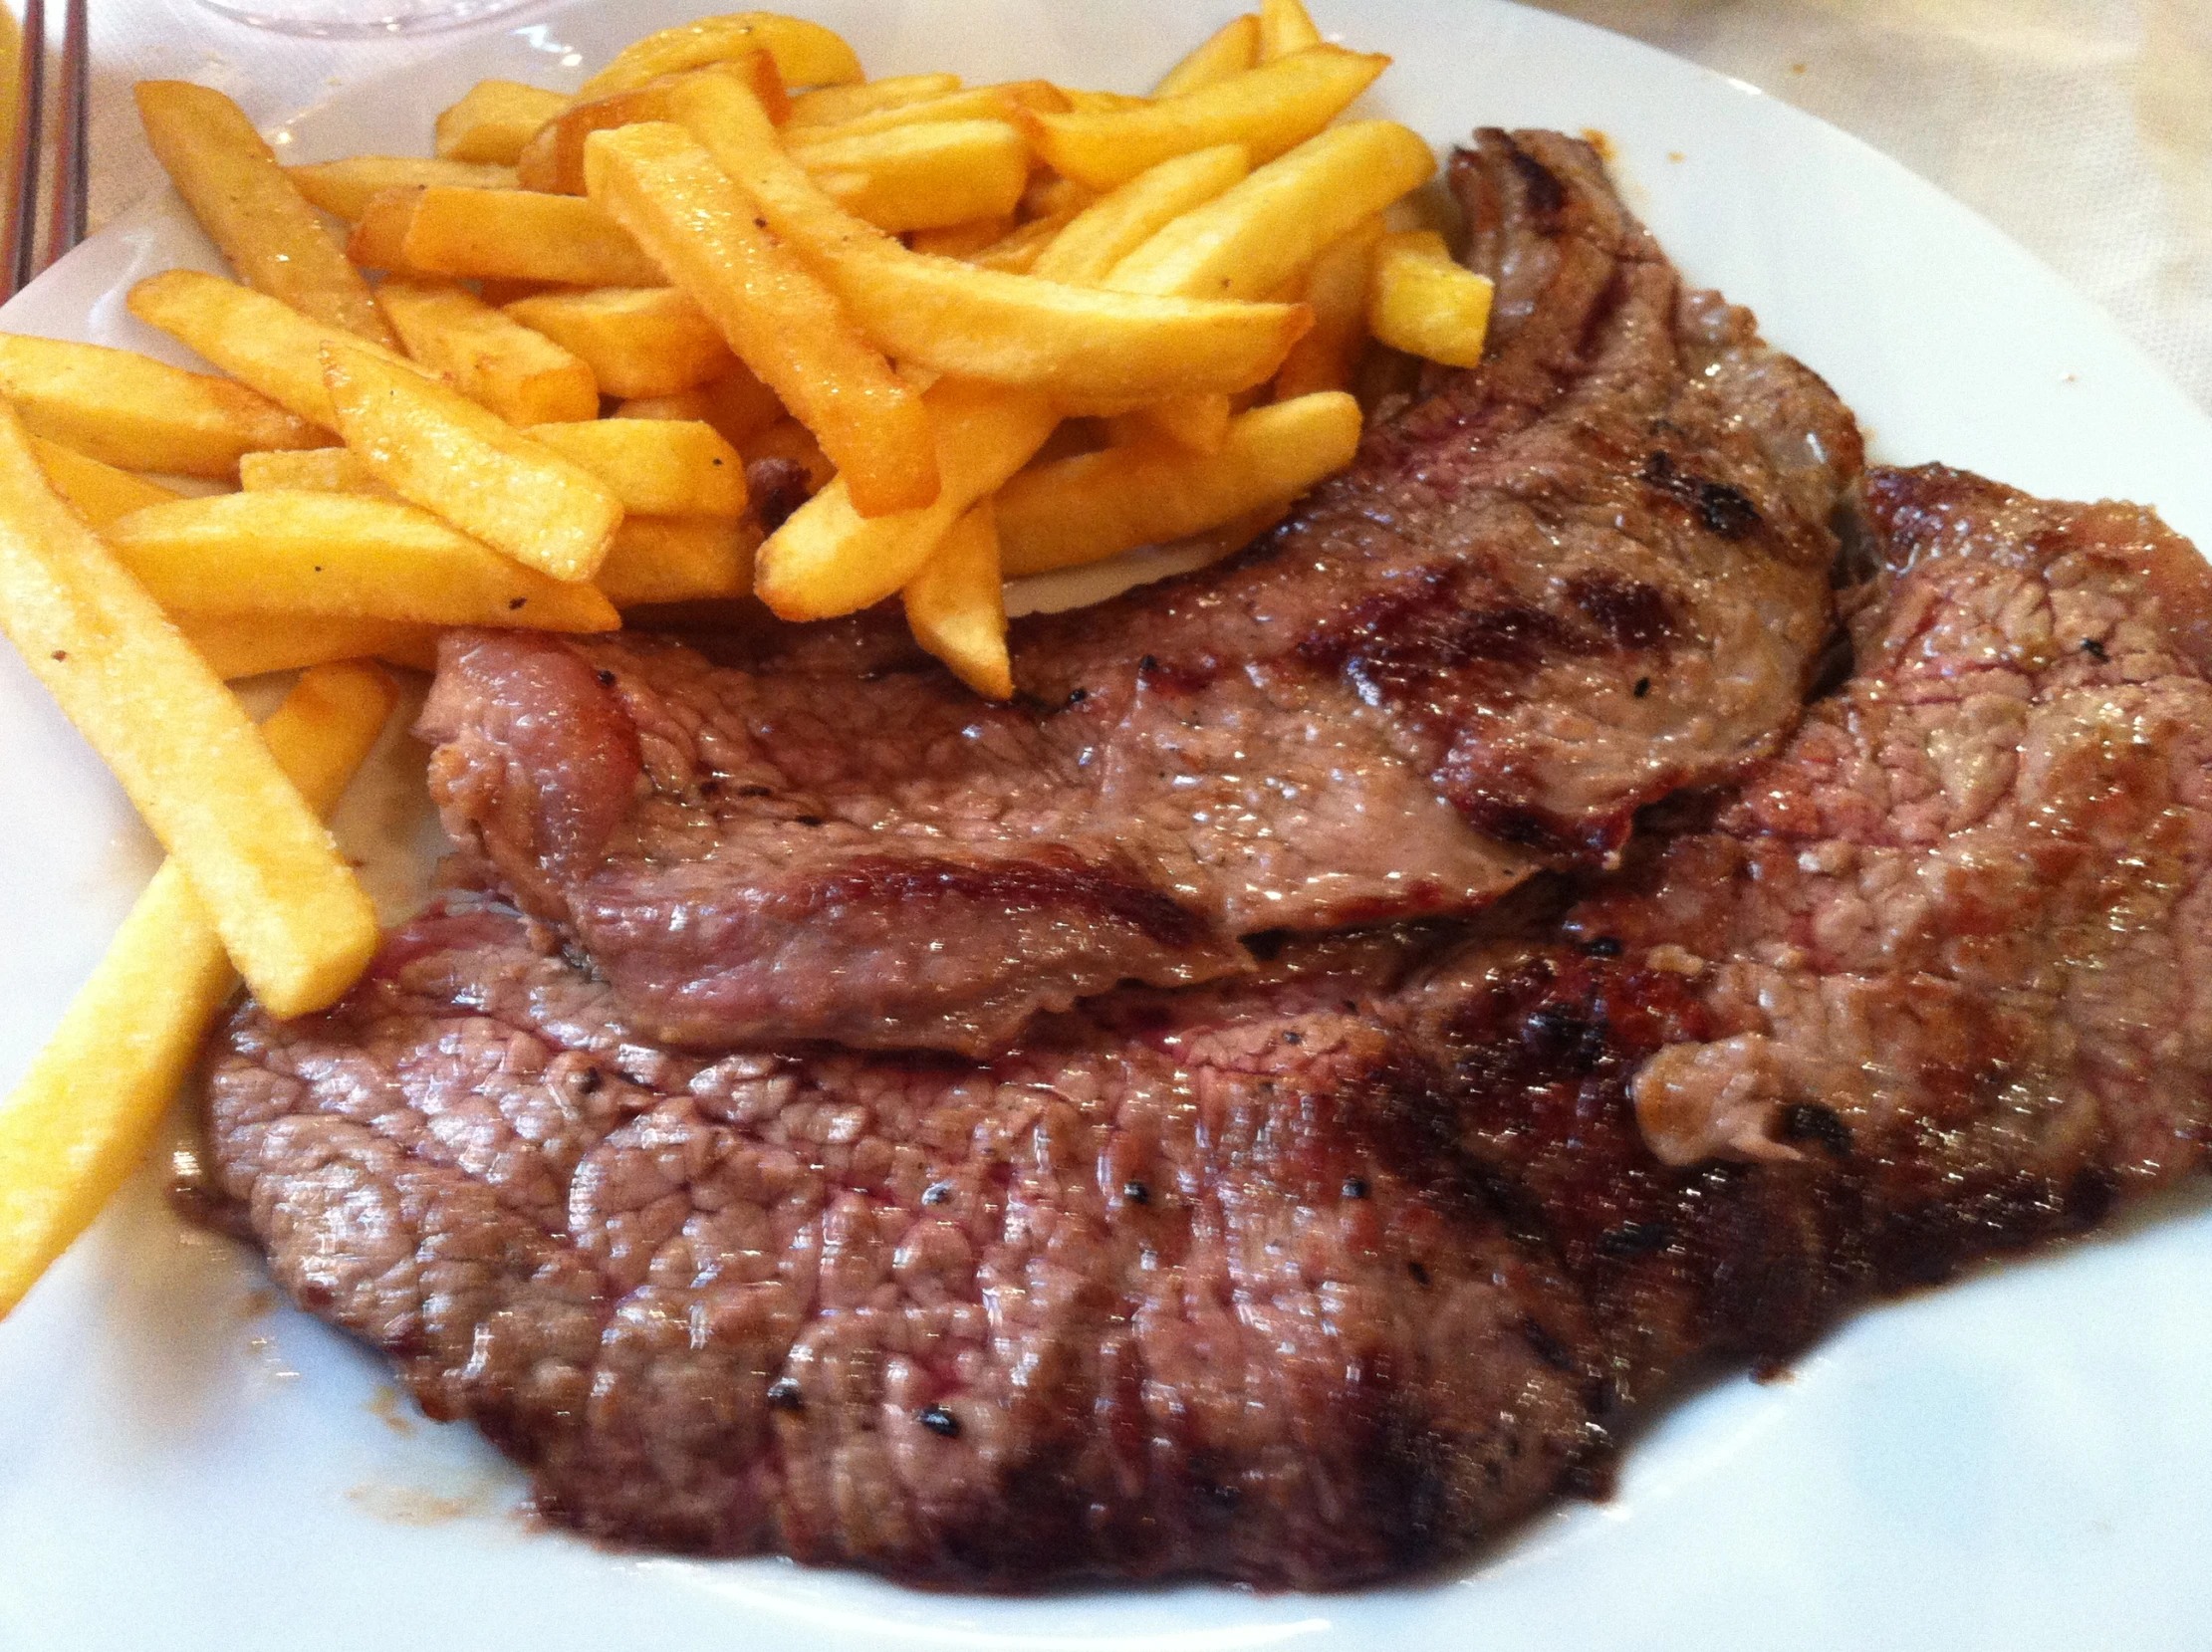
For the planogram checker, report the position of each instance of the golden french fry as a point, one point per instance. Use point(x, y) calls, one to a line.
point(344, 189)
point(986, 323)
point(1422, 301)
point(99, 493)
point(1268, 109)
point(489, 357)
point(321, 470)
point(1256, 235)
point(524, 235)
point(1335, 286)
point(964, 240)
point(659, 559)
point(1052, 196)
point(255, 644)
point(782, 321)
point(554, 158)
point(334, 554)
point(380, 235)
point(84, 1113)
point(1019, 248)
point(1101, 504)
point(976, 103)
point(261, 341)
point(1116, 224)
point(830, 105)
point(1197, 422)
point(253, 212)
point(737, 404)
point(494, 121)
point(1101, 102)
point(1229, 50)
point(926, 176)
point(655, 467)
point(290, 913)
point(956, 604)
point(829, 560)
point(806, 54)
point(1285, 28)
point(638, 341)
point(126, 409)
point(436, 448)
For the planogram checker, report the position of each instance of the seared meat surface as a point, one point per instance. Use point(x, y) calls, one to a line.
point(1589, 571)
point(1328, 1271)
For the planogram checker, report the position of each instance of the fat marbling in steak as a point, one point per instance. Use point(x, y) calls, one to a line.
point(1589, 571)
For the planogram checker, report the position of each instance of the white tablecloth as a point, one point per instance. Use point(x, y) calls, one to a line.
point(2083, 127)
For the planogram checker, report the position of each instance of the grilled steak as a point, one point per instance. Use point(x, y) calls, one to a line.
point(1322, 1273)
point(1585, 573)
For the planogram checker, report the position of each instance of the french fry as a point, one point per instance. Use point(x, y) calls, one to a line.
point(344, 189)
point(554, 158)
point(782, 321)
point(1101, 102)
point(830, 105)
point(688, 472)
point(524, 235)
point(379, 240)
point(1019, 250)
point(1229, 50)
point(1197, 422)
point(923, 177)
point(1052, 196)
point(290, 913)
point(981, 324)
point(655, 467)
point(1423, 302)
point(253, 212)
point(679, 559)
point(489, 357)
point(964, 240)
point(1118, 223)
point(84, 1113)
point(1253, 237)
point(638, 341)
point(1285, 28)
point(829, 560)
point(322, 470)
point(261, 341)
point(126, 409)
point(976, 103)
point(250, 645)
point(1101, 504)
point(806, 54)
point(99, 493)
point(1336, 288)
point(280, 553)
point(737, 404)
point(1269, 110)
point(956, 604)
point(438, 450)
point(492, 123)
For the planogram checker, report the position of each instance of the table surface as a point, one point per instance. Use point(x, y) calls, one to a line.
point(2081, 127)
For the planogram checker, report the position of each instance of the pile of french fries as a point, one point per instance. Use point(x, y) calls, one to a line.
point(992, 329)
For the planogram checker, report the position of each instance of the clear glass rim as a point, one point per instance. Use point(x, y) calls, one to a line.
point(388, 17)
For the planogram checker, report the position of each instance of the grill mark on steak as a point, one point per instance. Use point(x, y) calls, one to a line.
point(1581, 575)
point(1404, 1255)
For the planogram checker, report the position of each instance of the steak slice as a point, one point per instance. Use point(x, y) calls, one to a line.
point(1583, 575)
point(1325, 1273)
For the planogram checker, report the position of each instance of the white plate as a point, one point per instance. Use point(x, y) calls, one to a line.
point(2015, 1463)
